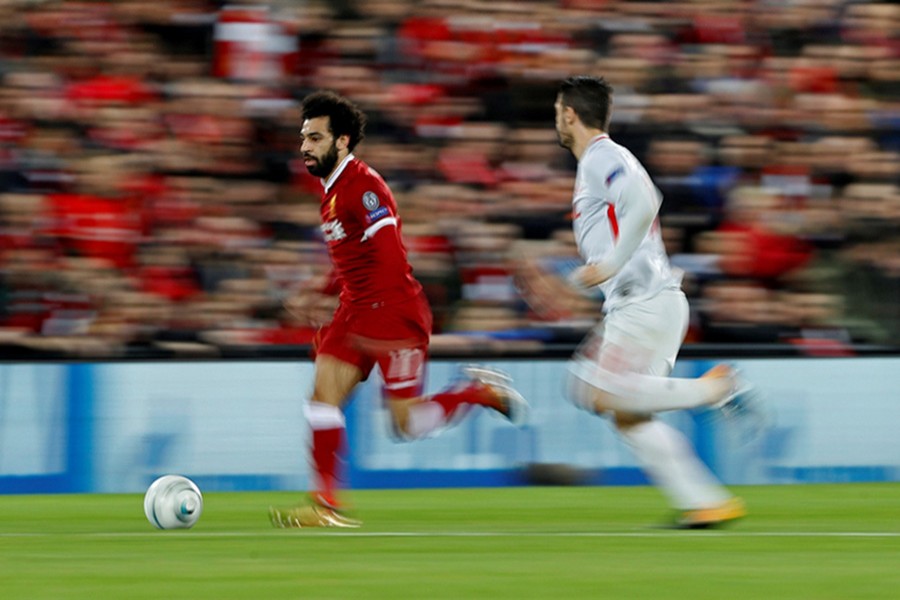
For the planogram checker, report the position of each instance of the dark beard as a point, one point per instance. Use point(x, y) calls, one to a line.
point(324, 166)
point(564, 141)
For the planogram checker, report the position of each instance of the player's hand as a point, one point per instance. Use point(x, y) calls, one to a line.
point(587, 276)
point(311, 307)
point(550, 297)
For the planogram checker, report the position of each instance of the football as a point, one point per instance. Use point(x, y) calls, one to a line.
point(173, 502)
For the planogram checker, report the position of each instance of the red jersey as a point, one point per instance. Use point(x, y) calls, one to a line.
point(361, 227)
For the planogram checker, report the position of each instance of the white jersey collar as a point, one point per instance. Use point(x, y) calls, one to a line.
point(597, 138)
point(327, 183)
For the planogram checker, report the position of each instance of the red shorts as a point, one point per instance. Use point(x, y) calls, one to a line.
point(394, 336)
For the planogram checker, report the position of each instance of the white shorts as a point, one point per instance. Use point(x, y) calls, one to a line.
point(640, 337)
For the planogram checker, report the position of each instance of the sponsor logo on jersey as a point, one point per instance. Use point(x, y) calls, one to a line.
point(333, 231)
point(613, 174)
point(381, 211)
point(370, 201)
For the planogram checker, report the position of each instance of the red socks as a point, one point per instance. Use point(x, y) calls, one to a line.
point(327, 424)
point(470, 393)
point(326, 443)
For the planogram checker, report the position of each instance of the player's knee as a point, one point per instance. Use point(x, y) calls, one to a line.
point(323, 397)
point(627, 420)
point(585, 395)
point(589, 393)
point(576, 391)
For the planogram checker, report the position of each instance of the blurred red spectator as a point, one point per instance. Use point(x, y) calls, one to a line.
point(176, 283)
point(251, 46)
point(89, 225)
point(103, 89)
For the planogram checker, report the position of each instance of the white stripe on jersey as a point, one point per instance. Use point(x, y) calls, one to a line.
point(374, 227)
point(336, 173)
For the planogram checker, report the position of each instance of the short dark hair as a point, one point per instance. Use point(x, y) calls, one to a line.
point(590, 98)
point(344, 117)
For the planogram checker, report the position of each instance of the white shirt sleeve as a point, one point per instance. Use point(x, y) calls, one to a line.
point(635, 209)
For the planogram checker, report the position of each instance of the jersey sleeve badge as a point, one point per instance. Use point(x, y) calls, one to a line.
point(370, 201)
point(374, 210)
point(613, 174)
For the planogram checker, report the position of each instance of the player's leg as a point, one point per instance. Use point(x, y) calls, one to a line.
point(663, 452)
point(609, 389)
point(399, 339)
point(607, 372)
point(334, 380)
point(671, 464)
point(415, 416)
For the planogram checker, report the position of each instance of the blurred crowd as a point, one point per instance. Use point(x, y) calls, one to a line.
point(151, 200)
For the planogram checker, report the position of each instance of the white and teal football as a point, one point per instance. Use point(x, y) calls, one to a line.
point(173, 502)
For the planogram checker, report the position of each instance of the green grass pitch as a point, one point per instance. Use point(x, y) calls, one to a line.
point(810, 542)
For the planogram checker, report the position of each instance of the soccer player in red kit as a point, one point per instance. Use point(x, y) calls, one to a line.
point(382, 318)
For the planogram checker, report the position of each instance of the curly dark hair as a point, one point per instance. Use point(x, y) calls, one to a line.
point(344, 116)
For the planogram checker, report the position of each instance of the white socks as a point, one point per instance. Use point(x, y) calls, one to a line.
point(637, 393)
point(424, 418)
point(672, 465)
point(324, 416)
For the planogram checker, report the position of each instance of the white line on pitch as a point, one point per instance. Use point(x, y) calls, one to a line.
point(474, 534)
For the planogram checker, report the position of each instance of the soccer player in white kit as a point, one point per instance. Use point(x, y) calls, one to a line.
point(622, 367)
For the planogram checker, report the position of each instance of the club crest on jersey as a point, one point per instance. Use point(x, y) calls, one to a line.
point(333, 231)
point(370, 201)
point(331, 206)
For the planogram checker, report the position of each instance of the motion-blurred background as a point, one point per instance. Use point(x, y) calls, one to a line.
point(152, 204)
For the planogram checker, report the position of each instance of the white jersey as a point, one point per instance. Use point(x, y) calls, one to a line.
point(597, 207)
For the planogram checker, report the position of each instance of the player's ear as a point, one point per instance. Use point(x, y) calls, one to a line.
point(343, 142)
